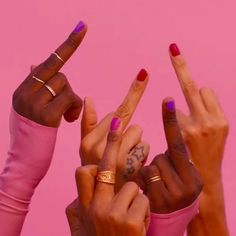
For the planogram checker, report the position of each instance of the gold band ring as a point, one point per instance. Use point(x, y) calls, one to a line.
point(54, 53)
point(50, 90)
point(107, 177)
point(37, 79)
point(154, 179)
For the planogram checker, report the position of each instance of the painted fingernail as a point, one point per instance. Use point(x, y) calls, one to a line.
point(142, 75)
point(174, 50)
point(170, 106)
point(79, 27)
point(115, 124)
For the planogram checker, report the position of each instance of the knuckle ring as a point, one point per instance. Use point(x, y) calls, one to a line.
point(56, 54)
point(107, 177)
point(154, 179)
point(50, 90)
point(37, 79)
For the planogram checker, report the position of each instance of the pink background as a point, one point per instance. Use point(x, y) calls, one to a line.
point(123, 36)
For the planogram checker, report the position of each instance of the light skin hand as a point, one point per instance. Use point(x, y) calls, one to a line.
point(205, 131)
point(32, 99)
point(134, 150)
point(180, 183)
point(103, 211)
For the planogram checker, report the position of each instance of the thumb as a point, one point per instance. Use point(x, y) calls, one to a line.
point(89, 118)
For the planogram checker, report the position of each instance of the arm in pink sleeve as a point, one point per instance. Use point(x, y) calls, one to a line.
point(172, 224)
point(29, 157)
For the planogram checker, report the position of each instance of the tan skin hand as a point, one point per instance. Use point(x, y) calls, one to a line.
point(104, 212)
point(180, 182)
point(134, 151)
point(35, 102)
point(205, 131)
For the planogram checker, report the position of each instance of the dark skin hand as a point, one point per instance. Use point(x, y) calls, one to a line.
point(180, 182)
point(33, 100)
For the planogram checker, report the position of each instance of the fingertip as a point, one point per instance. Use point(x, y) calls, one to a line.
point(80, 27)
point(174, 50)
point(115, 124)
point(168, 104)
point(142, 75)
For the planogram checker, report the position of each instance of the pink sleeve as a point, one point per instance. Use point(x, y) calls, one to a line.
point(173, 224)
point(29, 157)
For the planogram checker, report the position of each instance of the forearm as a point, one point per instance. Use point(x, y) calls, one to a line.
point(211, 219)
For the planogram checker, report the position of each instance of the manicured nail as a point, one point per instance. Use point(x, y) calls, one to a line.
point(142, 75)
point(174, 50)
point(79, 27)
point(115, 124)
point(170, 106)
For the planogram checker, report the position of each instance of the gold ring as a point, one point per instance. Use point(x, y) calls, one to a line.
point(107, 177)
point(191, 162)
point(50, 90)
point(54, 53)
point(154, 179)
point(37, 79)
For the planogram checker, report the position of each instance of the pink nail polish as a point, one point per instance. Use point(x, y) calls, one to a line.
point(115, 124)
point(174, 50)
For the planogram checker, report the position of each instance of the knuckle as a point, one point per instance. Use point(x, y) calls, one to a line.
point(137, 87)
point(132, 223)
point(72, 42)
point(62, 77)
point(123, 111)
point(180, 63)
point(113, 137)
point(114, 218)
point(50, 64)
point(97, 214)
point(192, 192)
point(80, 171)
point(189, 85)
point(132, 185)
point(144, 199)
point(178, 197)
point(192, 131)
point(137, 128)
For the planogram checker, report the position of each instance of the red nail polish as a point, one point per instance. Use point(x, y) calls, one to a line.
point(174, 50)
point(142, 75)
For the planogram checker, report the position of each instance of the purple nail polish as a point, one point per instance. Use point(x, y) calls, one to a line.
point(170, 106)
point(115, 123)
point(79, 27)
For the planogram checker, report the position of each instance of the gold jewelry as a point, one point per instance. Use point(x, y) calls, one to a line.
point(106, 177)
point(54, 53)
point(37, 79)
point(50, 90)
point(154, 179)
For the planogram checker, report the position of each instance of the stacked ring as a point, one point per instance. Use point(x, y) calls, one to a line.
point(107, 177)
point(154, 179)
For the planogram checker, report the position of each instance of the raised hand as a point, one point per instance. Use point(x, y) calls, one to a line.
point(46, 95)
point(101, 210)
point(205, 131)
point(171, 181)
point(134, 151)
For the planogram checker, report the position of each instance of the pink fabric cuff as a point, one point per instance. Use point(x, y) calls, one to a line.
point(172, 224)
point(29, 157)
